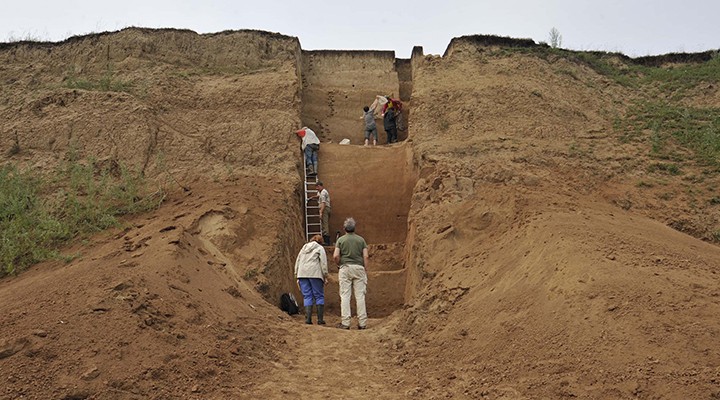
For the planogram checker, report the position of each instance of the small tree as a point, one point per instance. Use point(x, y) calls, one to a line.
point(555, 38)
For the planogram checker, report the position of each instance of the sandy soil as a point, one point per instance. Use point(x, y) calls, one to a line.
point(517, 258)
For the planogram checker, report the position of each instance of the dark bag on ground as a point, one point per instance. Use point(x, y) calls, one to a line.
point(289, 304)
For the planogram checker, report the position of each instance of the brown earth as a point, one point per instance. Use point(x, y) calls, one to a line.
point(513, 253)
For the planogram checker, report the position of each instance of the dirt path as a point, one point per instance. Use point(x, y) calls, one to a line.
point(331, 363)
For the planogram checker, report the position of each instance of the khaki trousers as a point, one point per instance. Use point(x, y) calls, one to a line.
point(352, 277)
point(325, 227)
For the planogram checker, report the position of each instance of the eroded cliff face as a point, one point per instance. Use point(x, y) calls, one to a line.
point(157, 100)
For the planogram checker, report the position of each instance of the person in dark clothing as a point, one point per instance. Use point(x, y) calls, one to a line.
point(390, 125)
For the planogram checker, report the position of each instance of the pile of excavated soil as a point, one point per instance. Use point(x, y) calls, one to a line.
point(168, 307)
point(533, 279)
point(534, 264)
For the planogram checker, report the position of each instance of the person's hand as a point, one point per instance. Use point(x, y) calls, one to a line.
point(325, 279)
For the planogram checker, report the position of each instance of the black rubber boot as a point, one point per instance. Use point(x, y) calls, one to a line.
point(308, 315)
point(320, 312)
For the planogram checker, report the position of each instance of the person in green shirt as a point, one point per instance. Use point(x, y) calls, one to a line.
point(351, 255)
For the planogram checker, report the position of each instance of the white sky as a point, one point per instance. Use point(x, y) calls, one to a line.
point(632, 27)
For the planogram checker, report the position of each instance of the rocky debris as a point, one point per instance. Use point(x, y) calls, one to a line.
point(90, 374)
point(9, 347)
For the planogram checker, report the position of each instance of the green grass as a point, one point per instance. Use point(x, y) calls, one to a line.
point(665, 168)
point(666, 196)
point(578, 150)
point(676, 78)
point(250, 274)
point(106, 83)
point(443, 125)
point(681, 76)
point(38, 215)
point(670, 125)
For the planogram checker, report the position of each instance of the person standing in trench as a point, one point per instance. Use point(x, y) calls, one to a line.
point(324, 202)
point(311, 272)
point(390, 124)
point(351, 255)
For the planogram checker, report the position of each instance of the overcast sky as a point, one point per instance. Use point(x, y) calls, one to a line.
point(632, 27)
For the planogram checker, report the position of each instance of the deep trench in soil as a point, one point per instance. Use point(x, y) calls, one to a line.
point(372, 184)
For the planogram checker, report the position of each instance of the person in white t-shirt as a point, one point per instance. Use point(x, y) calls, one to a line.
point(310, 146)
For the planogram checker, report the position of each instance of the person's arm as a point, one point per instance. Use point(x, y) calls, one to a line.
point(366, 258)
point(323, 265)
point(322, 208)
point(297, 266)
point(336, 255)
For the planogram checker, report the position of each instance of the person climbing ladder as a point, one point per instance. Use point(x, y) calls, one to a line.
point(310, 146)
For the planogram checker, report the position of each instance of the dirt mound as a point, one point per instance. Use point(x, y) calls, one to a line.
point(513, 252)
point(530, 282)
point(156, 309)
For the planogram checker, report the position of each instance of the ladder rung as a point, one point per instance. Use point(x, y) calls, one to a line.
point(312, 207)
point(314, 223)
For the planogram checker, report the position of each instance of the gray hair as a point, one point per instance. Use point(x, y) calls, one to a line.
point(349, 225)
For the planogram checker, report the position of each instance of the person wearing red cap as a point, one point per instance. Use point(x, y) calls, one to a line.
point(310, 146)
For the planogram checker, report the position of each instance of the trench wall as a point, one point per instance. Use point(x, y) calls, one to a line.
point(336, 86)
point(372, 185)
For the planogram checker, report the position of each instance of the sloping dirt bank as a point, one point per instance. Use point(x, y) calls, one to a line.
point(524, 281)
point(170, 307)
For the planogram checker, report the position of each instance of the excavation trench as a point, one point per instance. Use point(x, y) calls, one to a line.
point(371, 184)
point(374, 186)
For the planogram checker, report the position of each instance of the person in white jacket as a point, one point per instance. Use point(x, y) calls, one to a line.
point(311, 272)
